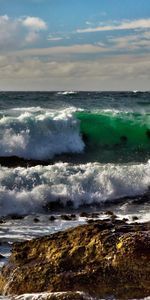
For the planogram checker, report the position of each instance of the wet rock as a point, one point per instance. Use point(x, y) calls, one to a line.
point(84, 214)
point(134, 218)
point(125, 219)
point(73, 216)
point(15, 161)
point(15, 217)
point(89, 221)
point(1, 256)
point(66, 217)
point(52, 218)
point(36, 220)
point(110, 213)
point(94, 215)
point(99, 258)
point(2, 221)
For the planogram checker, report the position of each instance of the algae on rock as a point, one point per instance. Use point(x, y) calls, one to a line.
point(101, 258)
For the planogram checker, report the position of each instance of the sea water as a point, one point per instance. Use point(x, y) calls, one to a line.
point(78, 150)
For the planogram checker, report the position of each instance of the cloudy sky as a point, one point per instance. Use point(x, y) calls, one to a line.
point(74, 44)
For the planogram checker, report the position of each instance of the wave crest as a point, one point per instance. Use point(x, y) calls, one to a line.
point(28, 190)
point(39, 134)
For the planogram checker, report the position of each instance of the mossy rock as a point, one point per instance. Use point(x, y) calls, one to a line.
point(102, 258)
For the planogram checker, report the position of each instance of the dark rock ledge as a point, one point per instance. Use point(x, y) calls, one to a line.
point(102, 259)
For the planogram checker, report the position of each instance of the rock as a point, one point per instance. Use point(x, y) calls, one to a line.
point(95, 215)
point(84, 214)
point(125, 219)
point(52, 218)
point(36, 220)
point(15, 161)
point(102, 259)
point(73, 216)
point(15, 217)
point(135, 218)
point(89, 221)
point(66, 217)
point(2, 221)
point(110, 213)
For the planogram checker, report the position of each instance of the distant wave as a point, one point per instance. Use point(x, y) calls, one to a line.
point(25, 191)
point(67, 93)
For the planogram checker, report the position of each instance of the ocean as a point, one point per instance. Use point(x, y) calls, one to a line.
point(70, 152)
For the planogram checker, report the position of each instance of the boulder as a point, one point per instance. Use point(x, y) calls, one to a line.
point(103, 258)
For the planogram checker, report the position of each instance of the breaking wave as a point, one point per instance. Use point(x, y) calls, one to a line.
point(40, 134)
point(26, 191)
point(36, 133)
point(113, 129)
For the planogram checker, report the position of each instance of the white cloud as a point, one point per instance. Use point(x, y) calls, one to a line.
point(126, 25)
point(132, 42)
point(62, 50)
point(8, 31)
point(34, 23)
point(3, 19)
point(54, 39)
point(16, 33)
point(122, 72)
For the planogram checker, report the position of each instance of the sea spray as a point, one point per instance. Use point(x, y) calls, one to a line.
point(39, 134)
point(26, 191)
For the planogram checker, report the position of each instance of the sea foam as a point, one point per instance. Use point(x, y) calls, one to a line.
point(26, 191)
point(36, 133)
point(45, 296)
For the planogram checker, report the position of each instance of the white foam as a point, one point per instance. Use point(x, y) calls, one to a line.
point(27, 190)
point(44, 296)
point(36, 133)
point(67, 93)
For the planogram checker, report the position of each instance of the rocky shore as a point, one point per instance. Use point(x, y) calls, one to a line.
point(102, 258)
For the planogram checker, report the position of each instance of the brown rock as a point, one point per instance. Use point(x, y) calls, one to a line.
point(102, 258)
point(52, 218)
point(66, 217)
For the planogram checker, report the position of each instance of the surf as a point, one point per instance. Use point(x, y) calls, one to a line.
point(29, 190)
point(36, 133)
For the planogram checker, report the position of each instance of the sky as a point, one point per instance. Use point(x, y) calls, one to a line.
point(74, 45)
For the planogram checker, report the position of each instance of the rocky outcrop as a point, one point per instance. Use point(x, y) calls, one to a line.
point(101, 258)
